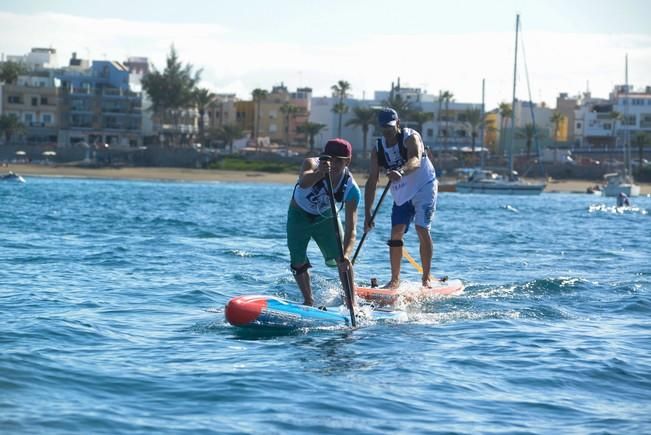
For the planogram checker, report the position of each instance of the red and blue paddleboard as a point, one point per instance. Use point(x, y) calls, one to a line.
point(260, 311)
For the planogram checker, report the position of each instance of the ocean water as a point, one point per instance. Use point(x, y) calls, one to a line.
point(111, 314)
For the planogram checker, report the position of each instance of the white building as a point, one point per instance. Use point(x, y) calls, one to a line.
point(38, 58)
point(607, 124)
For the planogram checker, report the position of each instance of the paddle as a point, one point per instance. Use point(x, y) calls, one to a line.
point(346, 280)
point(377, 207)
point(411, 260)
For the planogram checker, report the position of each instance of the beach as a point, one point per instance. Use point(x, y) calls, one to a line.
point(196, 175)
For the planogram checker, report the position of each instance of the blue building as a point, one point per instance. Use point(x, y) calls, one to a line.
point(97, 105)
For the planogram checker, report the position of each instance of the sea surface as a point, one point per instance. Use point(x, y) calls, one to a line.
point(112, 299)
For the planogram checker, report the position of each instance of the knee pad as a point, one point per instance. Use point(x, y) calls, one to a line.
point(395, 243)
point(296, 271)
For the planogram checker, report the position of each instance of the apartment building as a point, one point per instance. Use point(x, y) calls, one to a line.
point(281, 114)
point(608, 124)
point(34, 100)
point(97, 105)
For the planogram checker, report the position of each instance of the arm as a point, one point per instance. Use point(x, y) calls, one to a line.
point(351, 225)
point(415, 150)
point(369, 190)
point(311, 172)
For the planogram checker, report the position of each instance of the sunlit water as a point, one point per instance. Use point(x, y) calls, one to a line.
point(112, 296)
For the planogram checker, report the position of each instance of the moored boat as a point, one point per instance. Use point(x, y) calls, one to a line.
point(12, 177)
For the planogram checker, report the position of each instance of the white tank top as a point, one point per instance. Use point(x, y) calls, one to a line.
point(315, 199)
point(405, 189)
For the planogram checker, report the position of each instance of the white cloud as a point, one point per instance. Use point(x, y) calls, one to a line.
point(233, 62)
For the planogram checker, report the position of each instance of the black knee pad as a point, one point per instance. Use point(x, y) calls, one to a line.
point(300, 270)
point(395, 243)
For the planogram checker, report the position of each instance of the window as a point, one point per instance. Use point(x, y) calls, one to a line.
point(44, 100)
point(28, 117)
point(46, 118)
point(34, 101)
point(578, 125)
point(14, 99)
point(430, 132)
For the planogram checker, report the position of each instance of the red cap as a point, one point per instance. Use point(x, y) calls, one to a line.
point(338, 148)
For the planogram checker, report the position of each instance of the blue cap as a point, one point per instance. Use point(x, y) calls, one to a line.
point(387, 116)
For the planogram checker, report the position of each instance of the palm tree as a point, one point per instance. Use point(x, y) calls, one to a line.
point(289, 110)
point(340, 90)
point(258, 96)
point(311, 129)
point(399, 104)
point(10, 125)
point(202, 97)
point(363, 117)
point(506, 111)
point(229, 133)
point(557, 118)
point(172, 90)
point(530, 133)
point(9, 71)
point(447, 97)
point(473, 120)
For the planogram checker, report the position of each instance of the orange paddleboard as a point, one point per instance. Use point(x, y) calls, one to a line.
point(390, 296)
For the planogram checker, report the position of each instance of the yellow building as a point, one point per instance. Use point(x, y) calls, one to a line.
point(491, 130)
point(279, 125)
point(35, 102)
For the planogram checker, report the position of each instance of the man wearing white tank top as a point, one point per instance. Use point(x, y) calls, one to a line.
point(401, 154)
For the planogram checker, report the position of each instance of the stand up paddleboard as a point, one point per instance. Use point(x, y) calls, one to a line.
point(386, 297)
point(260, 311)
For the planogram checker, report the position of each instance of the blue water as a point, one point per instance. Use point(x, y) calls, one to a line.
point(112, 296)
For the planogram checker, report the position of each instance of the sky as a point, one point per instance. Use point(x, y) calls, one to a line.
point(430, 44)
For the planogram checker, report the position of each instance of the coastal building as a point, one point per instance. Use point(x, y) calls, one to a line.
point(567, 106)
point(34, 100)
point(97, 105)
point(245, 115)
point(446, 129)
point(281, 114)
point(221, 111)
point(37, 58)
point(607, 125)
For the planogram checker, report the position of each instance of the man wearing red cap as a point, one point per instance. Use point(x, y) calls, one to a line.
point(401, 153)
point(310, 216)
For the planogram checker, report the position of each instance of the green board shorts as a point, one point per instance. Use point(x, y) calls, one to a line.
point(303, 227)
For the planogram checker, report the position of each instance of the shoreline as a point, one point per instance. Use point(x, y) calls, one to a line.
point(202, 175)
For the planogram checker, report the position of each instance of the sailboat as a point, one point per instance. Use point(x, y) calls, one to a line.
point(617, 183)
point(484, 181)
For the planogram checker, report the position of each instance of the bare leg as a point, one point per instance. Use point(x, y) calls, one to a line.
point(305, 285)
point(426, 252)
point(395, 255)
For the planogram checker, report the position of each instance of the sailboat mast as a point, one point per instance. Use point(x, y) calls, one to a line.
point(627, 146)
point(481, 134)
point(515, 72)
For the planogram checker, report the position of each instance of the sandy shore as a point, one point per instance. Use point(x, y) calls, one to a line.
point(183, 174)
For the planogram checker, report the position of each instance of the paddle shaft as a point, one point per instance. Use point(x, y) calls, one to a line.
point(345, 282)
point(377, 207)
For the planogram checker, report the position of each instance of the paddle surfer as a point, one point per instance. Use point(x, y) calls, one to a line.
point(401, 154)
point(310, 217)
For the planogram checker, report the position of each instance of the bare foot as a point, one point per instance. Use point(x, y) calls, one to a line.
point(427, 282)
point(391, 285)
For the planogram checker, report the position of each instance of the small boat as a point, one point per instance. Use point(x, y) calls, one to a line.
point(270, 312)
point(13, 177)
point(595, 190)
point(485, 181)
point(618, 183)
